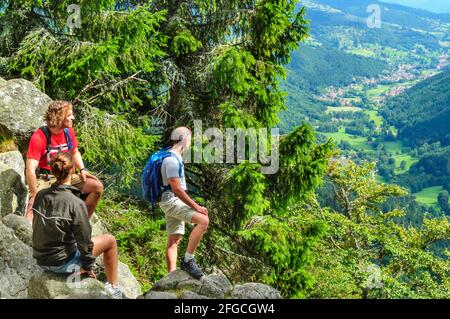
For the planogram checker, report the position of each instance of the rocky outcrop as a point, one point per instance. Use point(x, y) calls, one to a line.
point(254, 291)
point(13, 191)
point(21, 227)
point(17, 265)
point(21, 277)
point(22, 107)
point(14, 160)
point(181, 285)
point(57, 286)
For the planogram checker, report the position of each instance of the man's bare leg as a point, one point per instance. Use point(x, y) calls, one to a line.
point(202, 222)
point(172, 251)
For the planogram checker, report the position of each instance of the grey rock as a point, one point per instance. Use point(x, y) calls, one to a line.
point(129, 284)
point(63, 286)
point(192, 295)
point(21, 226)
point(2, 82)
point(190, 284)
point(13, 192)
point(171, 281)
point(15, 161)
point(211, 289)
point(22, 107)
point(125, 279)
point(160, 295)
point(98, 228)
point(255, 291)
point(222, 282)
point(17, 265)
point(180, 281)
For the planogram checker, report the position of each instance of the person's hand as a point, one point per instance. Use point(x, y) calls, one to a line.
point(88, 175)
point(83, 175)
point(202, 210)
point(89, 273)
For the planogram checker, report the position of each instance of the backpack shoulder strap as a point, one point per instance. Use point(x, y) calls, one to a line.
point(47, 134)
point(180, 165)
point(68, 139)
point(48, 146)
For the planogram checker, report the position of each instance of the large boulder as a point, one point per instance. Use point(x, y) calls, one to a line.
point(179, 284)
point(17, 265)
point(22, 107)
point(13, 191)
point(130, 286)
point(160, 295)
point(254, 291)
point(2, 82)
point(60, 286)
point(21, 226)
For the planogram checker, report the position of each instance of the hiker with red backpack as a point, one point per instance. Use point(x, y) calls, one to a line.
point(58, 135)
point(164, 182)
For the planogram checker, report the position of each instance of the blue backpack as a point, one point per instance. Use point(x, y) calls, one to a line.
point(152, 186)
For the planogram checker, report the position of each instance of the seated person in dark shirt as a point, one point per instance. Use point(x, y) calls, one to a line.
point(62, 240)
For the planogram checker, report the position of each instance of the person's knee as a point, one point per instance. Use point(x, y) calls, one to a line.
point(99, 188)
point(111, 240)
point(204, 222)
point(174, 240)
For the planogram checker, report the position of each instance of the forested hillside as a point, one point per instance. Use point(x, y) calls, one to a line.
point(422, 113)
point(314, 68)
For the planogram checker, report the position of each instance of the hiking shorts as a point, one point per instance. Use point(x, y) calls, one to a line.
point(70, 266)
point(177, 214)
point(44, 182)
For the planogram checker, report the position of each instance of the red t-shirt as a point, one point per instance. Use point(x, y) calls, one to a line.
point(38, 146)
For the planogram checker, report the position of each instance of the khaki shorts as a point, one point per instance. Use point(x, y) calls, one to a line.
point(43, 182)
point(177, 214)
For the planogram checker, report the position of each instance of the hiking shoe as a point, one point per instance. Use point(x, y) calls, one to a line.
point(114, 291)
point(191, 268)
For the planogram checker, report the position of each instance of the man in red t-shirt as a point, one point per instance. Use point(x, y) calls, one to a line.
point(58, 117)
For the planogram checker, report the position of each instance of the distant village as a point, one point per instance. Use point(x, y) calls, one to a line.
point(406, 75)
